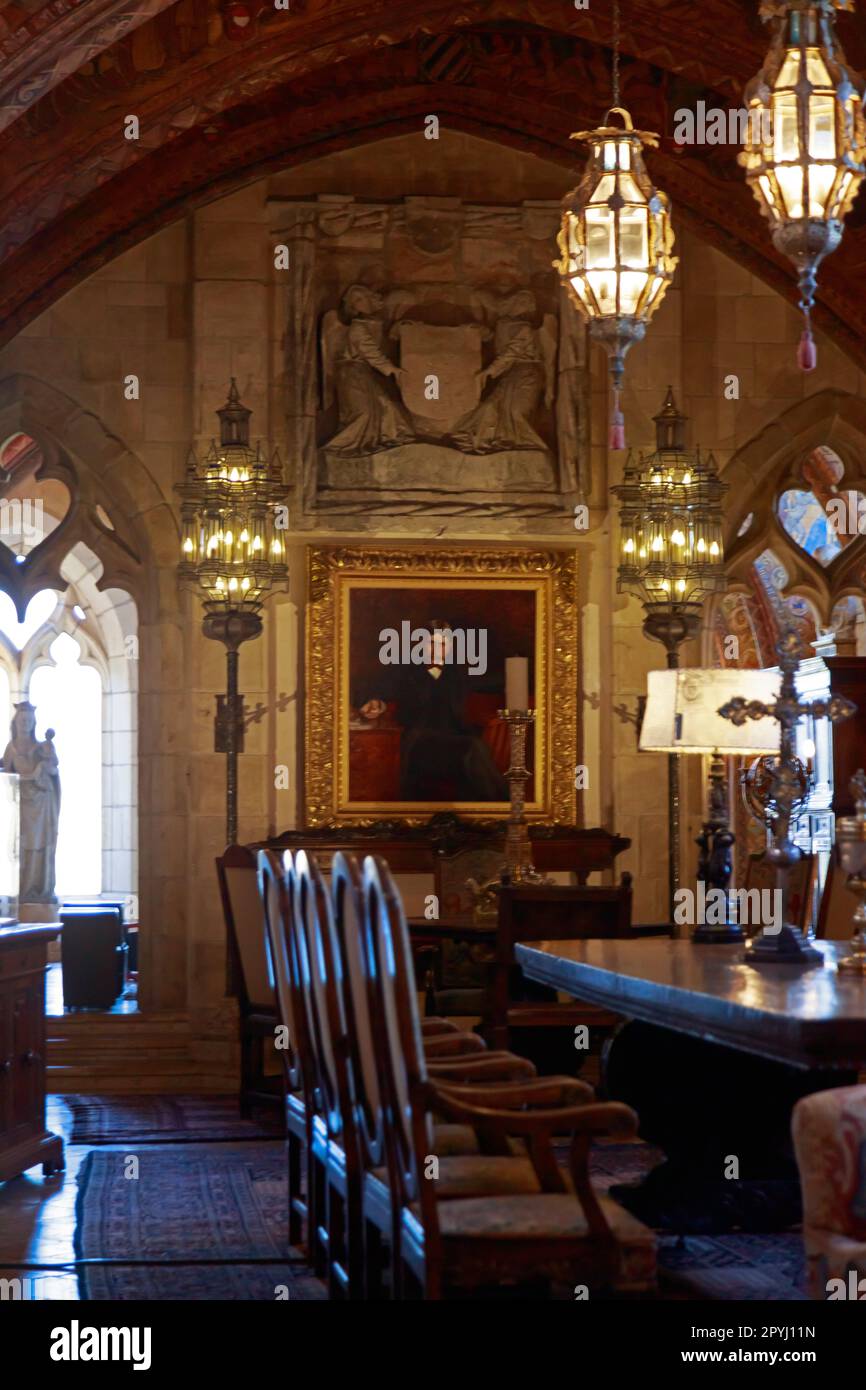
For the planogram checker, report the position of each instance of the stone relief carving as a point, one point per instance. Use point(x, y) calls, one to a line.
point(447, 370)
point(521, 374)
point(446, 395)
point(371, 417)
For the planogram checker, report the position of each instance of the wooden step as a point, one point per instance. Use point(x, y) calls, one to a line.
point(115, 1053)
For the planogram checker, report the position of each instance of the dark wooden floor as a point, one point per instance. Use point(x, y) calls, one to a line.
point(37, 1217)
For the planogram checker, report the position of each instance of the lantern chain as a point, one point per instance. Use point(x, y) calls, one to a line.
point(616, 43)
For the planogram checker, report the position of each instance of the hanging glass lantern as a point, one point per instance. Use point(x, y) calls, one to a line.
point(805, 141)
point(616, 241)
point(671, 553)
point(231, 547)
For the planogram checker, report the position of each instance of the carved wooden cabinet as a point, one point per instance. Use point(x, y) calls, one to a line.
point(24, 1140)
point(848, 678)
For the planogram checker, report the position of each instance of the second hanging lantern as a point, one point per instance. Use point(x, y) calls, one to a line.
point(616, 241)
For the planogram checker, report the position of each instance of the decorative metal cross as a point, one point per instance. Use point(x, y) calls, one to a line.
point(787, 944)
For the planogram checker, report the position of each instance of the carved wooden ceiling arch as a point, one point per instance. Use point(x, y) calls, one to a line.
point(220, 103)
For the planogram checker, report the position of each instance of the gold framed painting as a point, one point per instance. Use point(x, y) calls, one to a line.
point(405, 657)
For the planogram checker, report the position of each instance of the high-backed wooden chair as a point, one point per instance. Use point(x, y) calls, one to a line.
point(542, 913)
point(836, 913)
point(469, 1164)
point(278, 888)
point(336, 1150)
point(327, 1025)
point(802, 885)
point(249, 979)
point(442, 1244)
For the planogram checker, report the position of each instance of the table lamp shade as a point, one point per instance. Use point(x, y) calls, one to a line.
point(682, 712)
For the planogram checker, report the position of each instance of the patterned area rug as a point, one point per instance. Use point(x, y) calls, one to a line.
point(206, 1205)
point(614, 1163)
point(183, 1207)
point(727, 1267)
point(165, 1120)
point(734, 1267)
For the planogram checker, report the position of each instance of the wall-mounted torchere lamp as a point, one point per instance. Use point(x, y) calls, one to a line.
point(232, 552)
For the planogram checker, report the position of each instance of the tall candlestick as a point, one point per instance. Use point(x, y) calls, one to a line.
point(517, 682)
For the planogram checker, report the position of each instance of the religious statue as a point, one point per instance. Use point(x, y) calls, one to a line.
point(522, 372)
point(35, 763)
point(371, 415)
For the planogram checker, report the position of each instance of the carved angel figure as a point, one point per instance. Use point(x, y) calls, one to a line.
point(371, 416)
point(522, 370)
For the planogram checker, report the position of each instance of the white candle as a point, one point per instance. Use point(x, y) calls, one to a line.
point(517, 682)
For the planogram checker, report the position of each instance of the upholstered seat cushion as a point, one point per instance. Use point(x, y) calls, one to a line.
point(449, 1140)
point(471, 1175)
point(478, 1228)
point(454, 1139)
point(540, 1216)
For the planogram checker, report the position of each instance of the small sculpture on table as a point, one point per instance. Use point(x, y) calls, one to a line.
point(715, 863)
point(35, 763)
point(785, 945)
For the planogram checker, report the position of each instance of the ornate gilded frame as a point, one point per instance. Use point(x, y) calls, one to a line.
point(332, 574)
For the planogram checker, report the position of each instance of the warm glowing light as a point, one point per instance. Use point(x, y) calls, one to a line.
point(805, 147)
point(226, 498)
point(616, 243)
point(675, 566)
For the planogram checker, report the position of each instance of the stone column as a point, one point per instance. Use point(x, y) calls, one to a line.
point(301, 394)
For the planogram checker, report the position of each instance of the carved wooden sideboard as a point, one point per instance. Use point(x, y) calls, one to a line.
point(24, 1140)
point(417, 849)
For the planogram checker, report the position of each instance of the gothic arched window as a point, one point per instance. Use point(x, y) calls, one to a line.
point(73, 654)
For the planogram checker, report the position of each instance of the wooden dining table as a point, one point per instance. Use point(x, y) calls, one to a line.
point(809, 1018)
point(713, 1056)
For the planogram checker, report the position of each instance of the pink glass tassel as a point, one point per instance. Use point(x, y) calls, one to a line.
point(807, 356)
point(616, 437)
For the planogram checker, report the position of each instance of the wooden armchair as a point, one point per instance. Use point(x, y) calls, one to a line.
point(452, 1231)
point(327, 1004)
point(278, 893)
point(541, 913)
point(249, 978)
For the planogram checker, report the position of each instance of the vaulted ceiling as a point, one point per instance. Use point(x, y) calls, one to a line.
point(228, 90)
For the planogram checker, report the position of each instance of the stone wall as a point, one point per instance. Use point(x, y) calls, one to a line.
point(202, 301)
